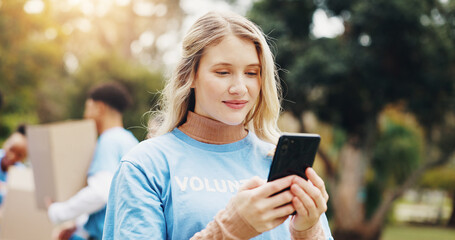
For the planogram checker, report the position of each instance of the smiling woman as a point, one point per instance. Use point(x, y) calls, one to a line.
point(217, 124)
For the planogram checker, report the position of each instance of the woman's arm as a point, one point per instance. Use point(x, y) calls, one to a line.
point(134, 208)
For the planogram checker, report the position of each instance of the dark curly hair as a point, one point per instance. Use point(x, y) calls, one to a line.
point(113, 94)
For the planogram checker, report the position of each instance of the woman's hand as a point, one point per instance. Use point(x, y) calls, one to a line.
point(310, 200)
point(258, 205)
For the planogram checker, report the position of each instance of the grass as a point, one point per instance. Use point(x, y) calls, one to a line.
point(417, 233)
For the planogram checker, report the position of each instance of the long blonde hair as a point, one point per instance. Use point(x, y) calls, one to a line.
point(178, 98)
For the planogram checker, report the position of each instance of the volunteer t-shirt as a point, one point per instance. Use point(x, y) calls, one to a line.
point(172, 186)
point(111, 146)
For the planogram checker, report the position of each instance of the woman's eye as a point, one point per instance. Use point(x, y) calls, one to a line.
point(251, 73)
point(222, 72)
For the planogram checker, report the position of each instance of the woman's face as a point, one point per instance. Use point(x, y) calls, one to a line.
point(228, 81)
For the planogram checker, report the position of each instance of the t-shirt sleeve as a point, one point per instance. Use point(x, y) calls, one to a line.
point(134, 209)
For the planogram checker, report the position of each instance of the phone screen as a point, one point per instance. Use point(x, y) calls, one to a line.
point(293, 155)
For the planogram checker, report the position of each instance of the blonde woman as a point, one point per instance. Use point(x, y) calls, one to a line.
point(201, 176)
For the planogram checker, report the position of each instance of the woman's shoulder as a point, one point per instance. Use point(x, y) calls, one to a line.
point(263, 146)
point(147, 165)
point(152, 151)
point(117, 136)
point(260, 142)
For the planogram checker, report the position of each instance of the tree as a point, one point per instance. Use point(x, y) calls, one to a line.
point(141, 83)
point(52, 53)
point(136, 29)
point(114, 41)
point(443, 177)
point(27, 57)
point(392, 52)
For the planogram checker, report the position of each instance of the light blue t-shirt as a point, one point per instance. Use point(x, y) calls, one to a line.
point(111, 146)
point(172, 186)
point(3, 175)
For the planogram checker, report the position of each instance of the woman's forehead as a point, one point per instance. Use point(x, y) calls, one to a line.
point(232, 50)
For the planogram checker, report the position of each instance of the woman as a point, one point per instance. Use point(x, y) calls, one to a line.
point(217, 124)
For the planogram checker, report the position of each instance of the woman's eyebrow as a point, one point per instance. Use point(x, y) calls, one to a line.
point(222, 64)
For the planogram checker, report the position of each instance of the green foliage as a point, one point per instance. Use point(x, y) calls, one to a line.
point(397, 154)
point(417, 233)
point(339, 138)
point(26, 58)
point(36, 86)
point(287, 23)
point(390, 52)
point(346, 83)
point(141, 83)
point(10, 122)
point(440, 178)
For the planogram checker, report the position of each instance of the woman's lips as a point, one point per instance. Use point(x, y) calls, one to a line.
point(236, 104)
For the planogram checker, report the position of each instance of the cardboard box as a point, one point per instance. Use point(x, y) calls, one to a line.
point(21, 220)
point(60, 154)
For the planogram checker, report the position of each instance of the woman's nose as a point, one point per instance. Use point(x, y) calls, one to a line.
point(238, 86)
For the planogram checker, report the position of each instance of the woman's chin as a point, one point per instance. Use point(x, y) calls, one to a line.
point(233, 121)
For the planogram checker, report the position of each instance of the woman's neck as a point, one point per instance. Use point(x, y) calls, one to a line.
point(211, 131)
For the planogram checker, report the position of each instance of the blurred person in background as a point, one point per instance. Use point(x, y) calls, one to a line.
point(105, 105)
point(14, 152)
point(218, 122)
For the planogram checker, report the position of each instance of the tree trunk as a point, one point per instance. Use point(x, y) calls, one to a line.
point(348, 201)
point(372, 229)
point(348, 206)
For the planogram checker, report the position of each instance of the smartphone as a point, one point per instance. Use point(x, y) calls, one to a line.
point(294, 153)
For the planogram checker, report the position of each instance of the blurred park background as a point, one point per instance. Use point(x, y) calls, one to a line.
point(375, 78)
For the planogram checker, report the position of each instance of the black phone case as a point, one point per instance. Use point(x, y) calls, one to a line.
point(293, 155)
